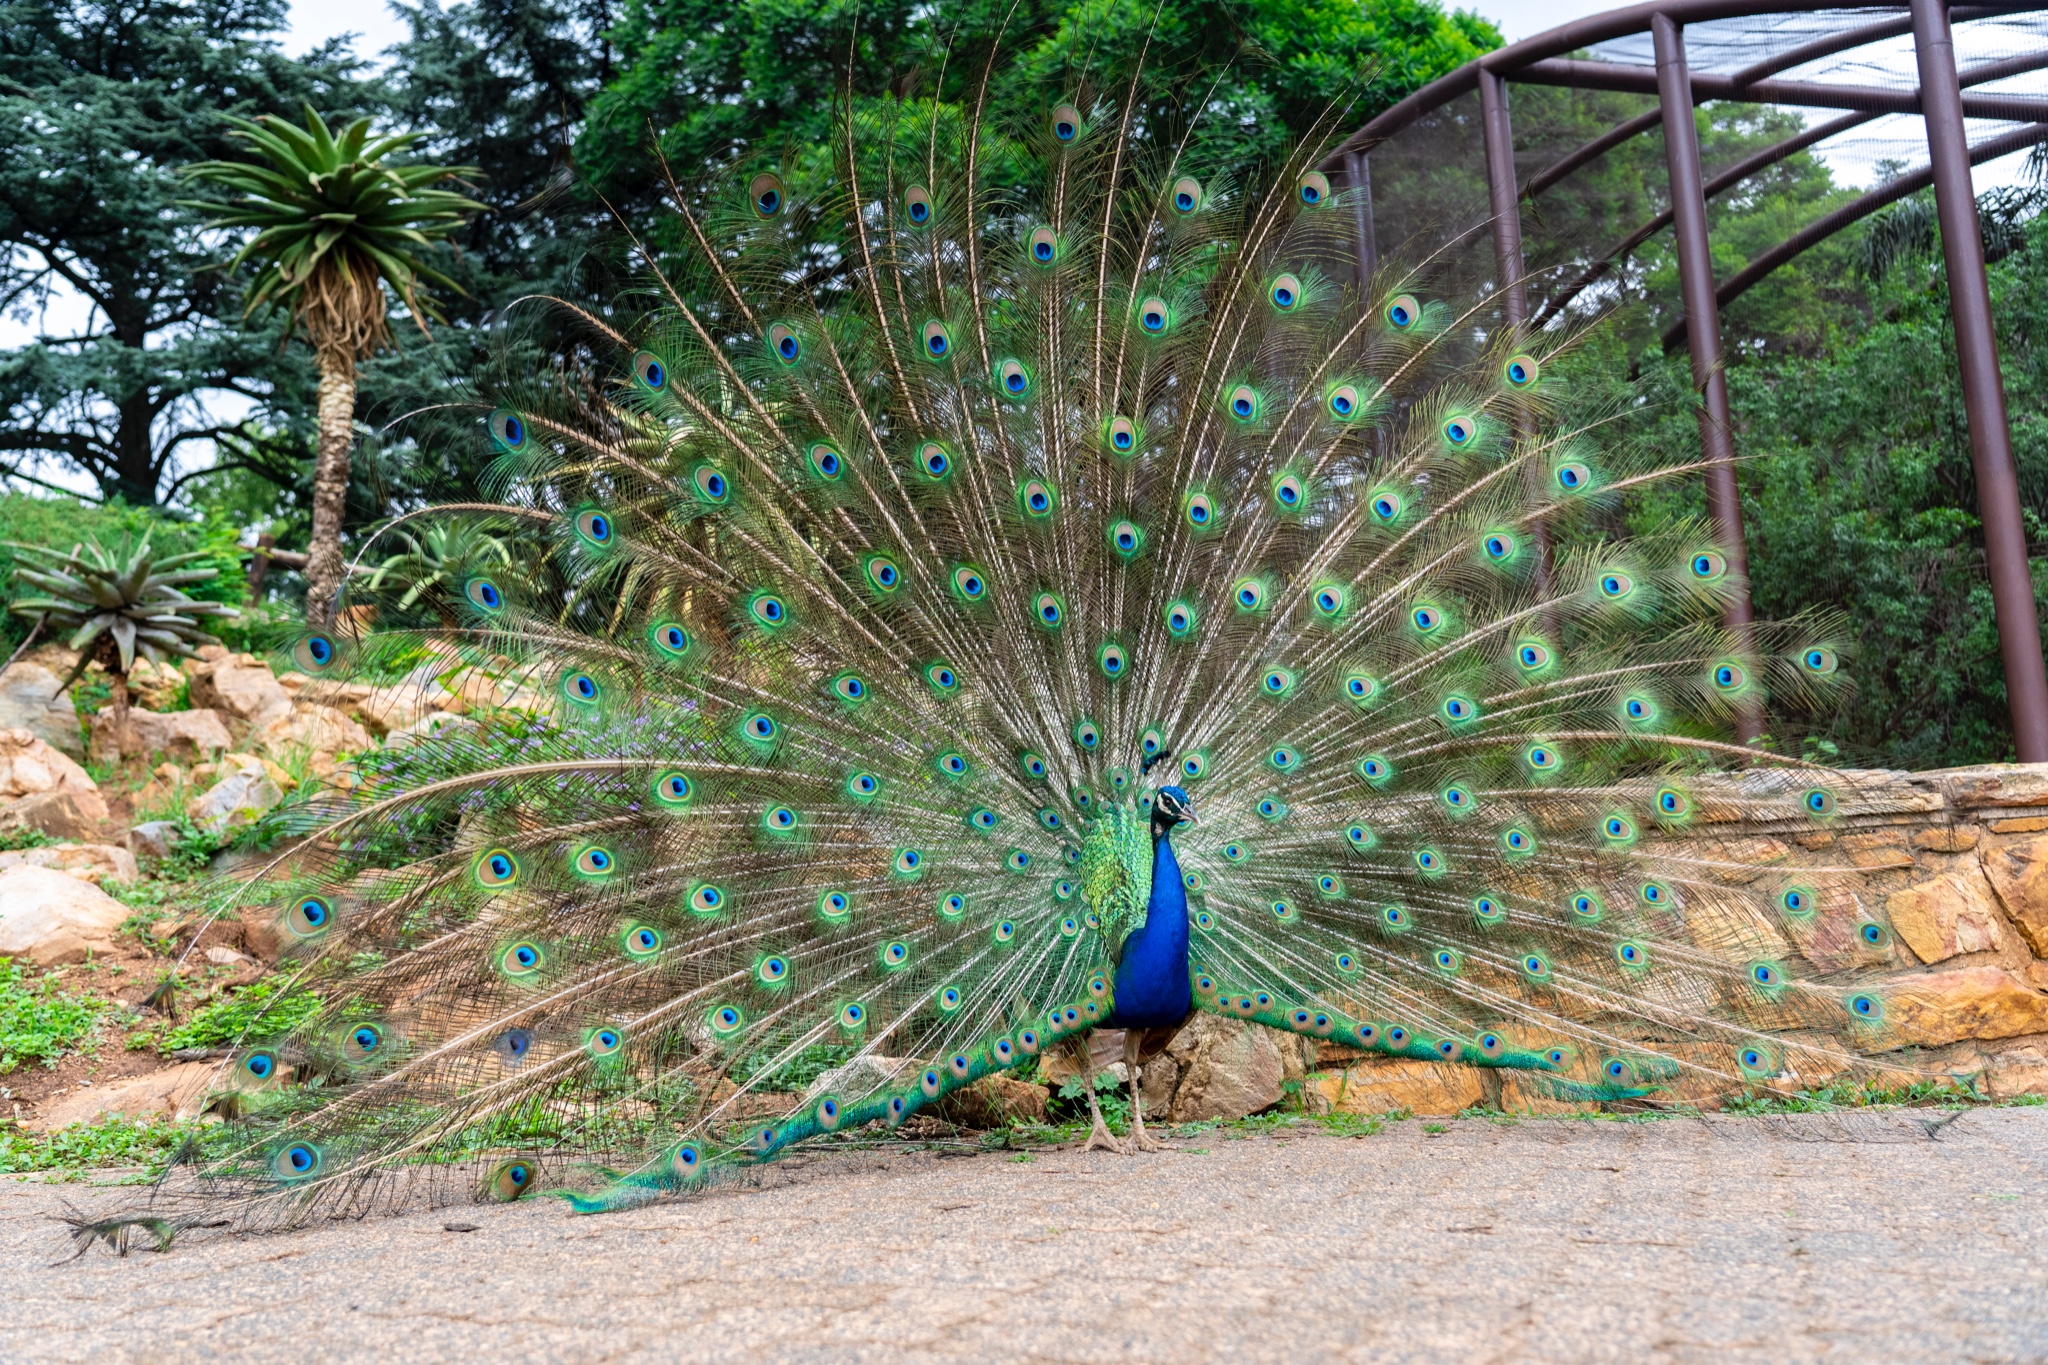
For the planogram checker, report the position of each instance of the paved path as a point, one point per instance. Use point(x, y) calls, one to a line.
point(1855, 1238)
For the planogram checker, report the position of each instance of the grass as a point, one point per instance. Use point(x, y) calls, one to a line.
point(21, 837)
point(112, 1141)
point(1934, 1093)
point(39, 1020)
point(258, 1010)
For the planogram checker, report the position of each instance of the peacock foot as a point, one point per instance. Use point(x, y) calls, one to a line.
point(1099, 1139)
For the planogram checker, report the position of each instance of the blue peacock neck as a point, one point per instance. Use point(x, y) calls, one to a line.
point(1152, 977)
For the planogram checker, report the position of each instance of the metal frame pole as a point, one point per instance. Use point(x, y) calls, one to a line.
point(1998, 493)
point(1358, 172)
point(1703, 331)
point(1509, 271)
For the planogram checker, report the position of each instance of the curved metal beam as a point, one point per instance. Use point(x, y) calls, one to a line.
point(1642, 80)
point(1599, 28)
point(1826, 226)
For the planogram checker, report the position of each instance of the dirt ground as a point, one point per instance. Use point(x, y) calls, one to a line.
point(1859, 1237)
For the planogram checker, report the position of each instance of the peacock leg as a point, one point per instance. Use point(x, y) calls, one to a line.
point(1134, 1039)
point(1099, 1135)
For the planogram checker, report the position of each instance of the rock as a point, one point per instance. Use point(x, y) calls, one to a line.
point(263, 931)
point(1105, 1054)
point(31, 766)
point(2018, 873)
point(48, 917)
point(244, 792)
point(1947, 916)
point(242, 687)
point(313, 729)
point(153, 839)
point(33, 698)
point(93, 862)
point(1229, 1068)
point(1521, 1093)
point(59, 814)
point(859, 1078)
point(2018, 1071)
point(1384, 1085)
point(995, 1102)
point(187, 735)
point(1157, 1080)
point(222, 956)
point(430, 727)
point(387, 709)
point(156, 686)
point(1974, 1002)
point(1948, 838)
point(176, 1092)
point(473, 690)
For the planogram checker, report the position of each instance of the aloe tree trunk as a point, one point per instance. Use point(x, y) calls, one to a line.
point(330, 485)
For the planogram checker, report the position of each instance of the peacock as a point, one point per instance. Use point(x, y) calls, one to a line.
point(1010, 581)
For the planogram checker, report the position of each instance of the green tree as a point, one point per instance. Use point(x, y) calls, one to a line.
point(713, 78)
point(100, 102)
point(334, 225)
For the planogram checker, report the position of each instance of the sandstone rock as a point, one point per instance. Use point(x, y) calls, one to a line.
point(244, 792)
point(1157, 1081)
point(48, 917)
point(33, 698)
point(30, 766)
point(1229, 1068)
point(1105, 1055)
point(176, 1092)
point(93, 862)
point(1947, 916)
point(153, 839)
point(2018, 873)
point(242, 687)
point(1524, 1094)
point(1384, 1085)
point(1990, 784)
point(155, 686)
point(995, 1102)
point(1974, 1002)
point(263, 931)
point(2018, 1071)
point(473, 690)
point(187, 735)
point(387, 709)
point(310, 728)
point(1948, 838)
point(59, 814)
point(859, 1078)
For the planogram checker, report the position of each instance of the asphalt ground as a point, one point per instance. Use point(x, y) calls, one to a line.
point(1866, 1236)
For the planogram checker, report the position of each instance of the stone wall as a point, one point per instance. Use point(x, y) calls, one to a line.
point(1955, 862)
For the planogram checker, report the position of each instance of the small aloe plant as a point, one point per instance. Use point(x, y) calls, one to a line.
point(117, 604)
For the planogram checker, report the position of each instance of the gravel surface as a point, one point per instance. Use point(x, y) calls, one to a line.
point(1856, 1237)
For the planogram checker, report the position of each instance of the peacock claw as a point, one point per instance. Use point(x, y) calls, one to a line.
point(1100, 1139)
point(1142, 1141)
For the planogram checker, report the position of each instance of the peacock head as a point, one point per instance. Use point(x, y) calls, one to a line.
point(1172, 806)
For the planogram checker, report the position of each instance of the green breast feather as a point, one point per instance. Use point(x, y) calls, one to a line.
point(1116, 872)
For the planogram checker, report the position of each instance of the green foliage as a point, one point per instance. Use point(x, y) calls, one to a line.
point(332, 219)
point(113, 1141)
point(795, 1074)
point(261, 1009)
point(1859, 500)
point(116, 604)
point(99, 106)
point(22, 836)
point(1942, 1092)
point(39, 1020)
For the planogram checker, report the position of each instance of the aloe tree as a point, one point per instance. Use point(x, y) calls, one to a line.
point(434, 565)
point(334, 226)
point(117, 604)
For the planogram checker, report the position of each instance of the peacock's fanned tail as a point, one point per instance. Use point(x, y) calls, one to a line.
point(1015, 471)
